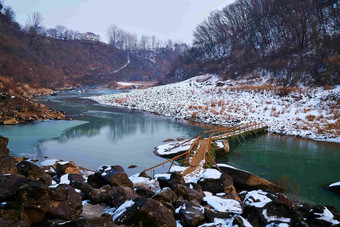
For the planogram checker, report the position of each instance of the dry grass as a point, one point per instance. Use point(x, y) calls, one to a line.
point(310, 117)
point(121, 100)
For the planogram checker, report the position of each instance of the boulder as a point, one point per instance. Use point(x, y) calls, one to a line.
point(144, 191)
point(66, 203)
point(246, 181)
point(196, 187)
point(76, 180)
point(175, 178)
point(322, 216)
point(30, 170)
point(239, 221)
point(166, 195)
point(187, 193)
point(3, 146)
point(9, 185)
point(335, 187)
point(90, 222)
point(211, 214)
point(34, 200)
point(191, 214)
point(113, 175)
point(46, 180)
point(8, 165)
point(119, 195)
point(213, 181)
point(146, 212)
point(272, 212)
point(67, 168)
point(13, 217)
point(98, 195)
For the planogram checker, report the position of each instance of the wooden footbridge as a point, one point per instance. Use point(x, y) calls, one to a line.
point(198, 155)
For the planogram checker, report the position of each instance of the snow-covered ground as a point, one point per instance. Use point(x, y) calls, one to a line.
point(307, 112)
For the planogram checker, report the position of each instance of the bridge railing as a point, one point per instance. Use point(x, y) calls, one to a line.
point(211, 135)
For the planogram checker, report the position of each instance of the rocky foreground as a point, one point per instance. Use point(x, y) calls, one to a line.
point(60, 193)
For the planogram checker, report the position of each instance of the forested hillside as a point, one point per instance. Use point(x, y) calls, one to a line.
point(294, 42)
point(53, 58)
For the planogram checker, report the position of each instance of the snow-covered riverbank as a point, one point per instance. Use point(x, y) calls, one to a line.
point(307, 112)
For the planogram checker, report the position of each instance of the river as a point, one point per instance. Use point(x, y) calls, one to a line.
point(100, 135)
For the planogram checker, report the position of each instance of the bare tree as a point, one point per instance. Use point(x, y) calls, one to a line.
point(113, 35)
point(34, 22)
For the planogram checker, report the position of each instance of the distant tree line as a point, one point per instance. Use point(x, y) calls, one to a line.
point(290, 38)
point(122, 39)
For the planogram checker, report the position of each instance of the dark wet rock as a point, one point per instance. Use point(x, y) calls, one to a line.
point(175, 178)
point(76, 180)
point(3, 146)
point(210, 214)
point(187, 193)
point(9, 185)
point(170, 206)
point(272, 212)
point(220, 84)
point(63, 168)
point(66, 203)
point(223, 184)
point(335, 187)
point(143, 174)
point(144, 192)
point(90, 222)
point(46, 180)
point(317, 217)
point(118, 195)
point(240, 222)
point(98, 195)
point(179, 202)
point(13, 217)
point(30, 170)
point(148, 212)
point(86, 189)
point(166, 195)
point(113, 175)
point(34, 200)
point(191, 214)
point(8, 165)
point(246, 181)
point(196, 187)
point(230, 195)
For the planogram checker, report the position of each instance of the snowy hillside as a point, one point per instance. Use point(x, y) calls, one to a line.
point(307, 112)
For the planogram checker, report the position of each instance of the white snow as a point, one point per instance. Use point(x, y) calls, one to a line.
point(64, 179)
point(124, 66)
point(63, 163)
point(327, 216)
point(305, 112)
point(122, 209)
point(177, 169)
point(257, 198)
point(335, 184)
point(49, 162)
point(223, 205)
point(210, 174)
point(168, 148)
point(219, 144)
point(219, 222)
point(274, 218)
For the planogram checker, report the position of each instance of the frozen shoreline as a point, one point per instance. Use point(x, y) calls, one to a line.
point(310, 113)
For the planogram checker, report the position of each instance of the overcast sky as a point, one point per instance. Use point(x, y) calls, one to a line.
point(174, 19)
